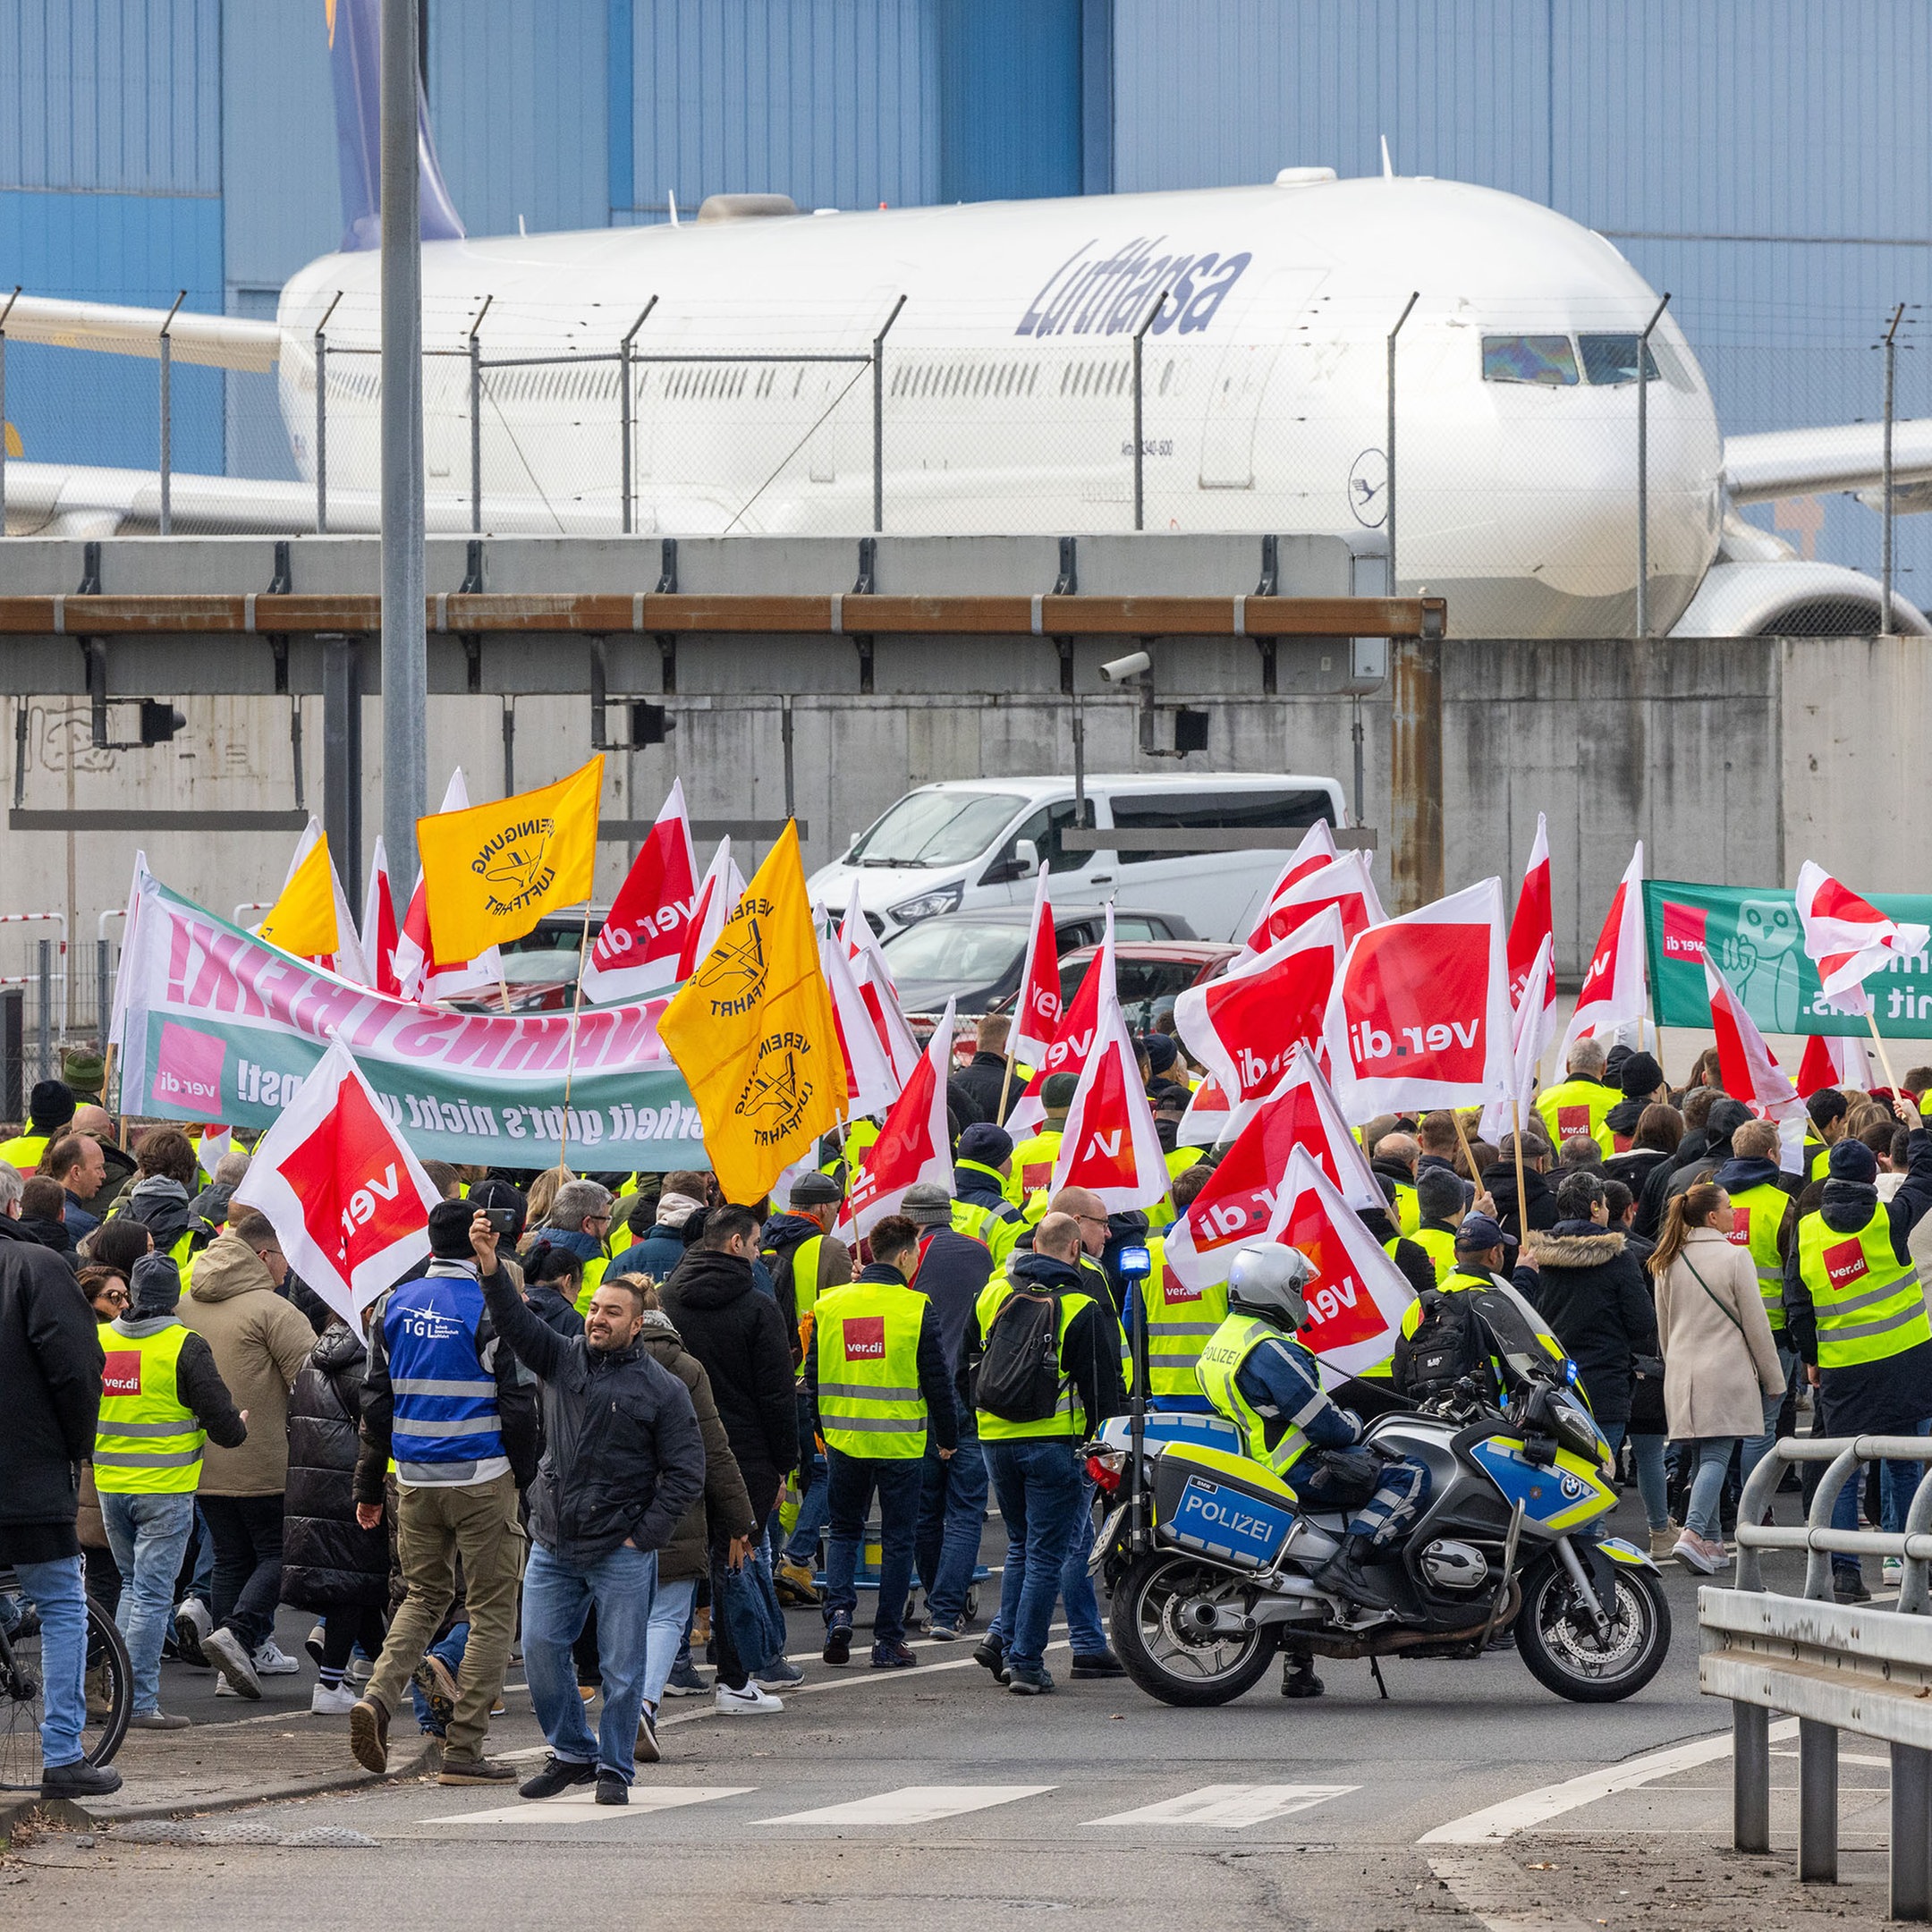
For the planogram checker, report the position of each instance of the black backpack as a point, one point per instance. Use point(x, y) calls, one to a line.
point(1019, 1378)
point(1450, 1341)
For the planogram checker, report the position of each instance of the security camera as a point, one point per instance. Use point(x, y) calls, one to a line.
point(1118, 670)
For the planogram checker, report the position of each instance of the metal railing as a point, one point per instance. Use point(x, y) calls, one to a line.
point(1833, 1666)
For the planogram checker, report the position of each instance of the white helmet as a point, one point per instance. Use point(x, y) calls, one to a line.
point(1267, 1280)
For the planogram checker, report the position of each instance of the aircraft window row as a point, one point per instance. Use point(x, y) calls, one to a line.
point(964, 378)
point(1551, 361)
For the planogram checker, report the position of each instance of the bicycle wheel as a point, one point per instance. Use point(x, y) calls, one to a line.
point(110, 1698)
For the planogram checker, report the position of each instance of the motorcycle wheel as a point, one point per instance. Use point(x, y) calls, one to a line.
point(1177, 1668)
point(1558, 1642)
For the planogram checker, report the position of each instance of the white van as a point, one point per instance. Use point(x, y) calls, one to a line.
point(967, 844)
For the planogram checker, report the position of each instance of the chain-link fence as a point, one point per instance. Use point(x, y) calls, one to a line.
point(1521, 470)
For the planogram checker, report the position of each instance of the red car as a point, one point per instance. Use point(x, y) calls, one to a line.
point(1151, 974)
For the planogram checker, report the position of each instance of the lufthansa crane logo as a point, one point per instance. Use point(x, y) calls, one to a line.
point(515, 866)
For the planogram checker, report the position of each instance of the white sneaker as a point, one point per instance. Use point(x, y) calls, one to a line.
point(223, 1688)
point(330, 1700)
point(749, 1703)
point(1893, 1569)
point(271, 1660)
point(224, 1652)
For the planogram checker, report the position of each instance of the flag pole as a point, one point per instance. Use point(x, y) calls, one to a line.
point(570, 1060)
point(1871, 1020)
point(1522, 1204)
point(1005, 1085)
point(1469, 1157)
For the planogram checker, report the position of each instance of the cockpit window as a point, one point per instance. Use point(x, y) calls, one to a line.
point(1548, 360)
point(1610, 360)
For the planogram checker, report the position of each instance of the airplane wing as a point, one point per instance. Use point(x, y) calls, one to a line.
point(215, 341)
point(1837, 457)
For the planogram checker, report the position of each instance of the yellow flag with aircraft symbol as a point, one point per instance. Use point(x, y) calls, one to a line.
point(490, 873)
point(753, 1032)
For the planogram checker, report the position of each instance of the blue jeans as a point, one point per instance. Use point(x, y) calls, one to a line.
point(664, 1636)
point(148, 1534)
point(1711, 1463)
point(1646, 1451)
point(1758, 1447)
point(801, 1546)
point(556, 1597)
point(1084, 1626)
point(851, 1483)
point(1897, 1482)
point(744, 1608)
point(57, 1591)
point(1037, 1483)
point(952, 1501)
point(450, 1648)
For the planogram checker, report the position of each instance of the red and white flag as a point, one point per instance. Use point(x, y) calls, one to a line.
point(1211, 1117)
point(1358, 1297)
point(642, 939)
point(1317, 850)
point(1243, 1195)
point(1344, 883)
point(1850, 939)
point(876, 987)
point(1612, 991)
point(912, 1146)
point(420, 976)
point(1527, 1043)
point(1037, 1004)
point(1110, 1143)
point(1533, 922)
point(348, 1202)
point(379, 929)
point(1834, 1060)
point(1073, 1039)
point(1243, 1026)
point(718, 894)
point(1750, 1070)
point(210, 1144)
point(1420, 1015)
point(871, 1084)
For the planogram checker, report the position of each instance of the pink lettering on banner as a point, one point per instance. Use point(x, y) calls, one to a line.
point(188, 1072)
point(1683, 932)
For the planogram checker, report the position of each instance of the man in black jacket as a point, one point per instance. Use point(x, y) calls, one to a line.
point(1499, 1183)
point(985, 1076)
point(50, 1391)
point(622, 1460)
point(738, 1336)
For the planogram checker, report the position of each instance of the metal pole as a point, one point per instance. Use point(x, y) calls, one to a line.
point(1751, 1777)
point(1140, 489)
point(321, 419)
point(791, 806)
point(1388, 484)
point(46, 1009)
point(167, 415)
point(1817, 1802)
point(1884, 573)
point(4, 313)
point(103, 991)
point(878, 417)
point(624, 375)
point(1912, 1858)
point(1079, 763)
point(1643, 469)
point(405, 674)
point(476, 420)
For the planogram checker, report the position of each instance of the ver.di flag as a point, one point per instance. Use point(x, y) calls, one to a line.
point(1243, 1026)
point(643, 937)
point(490, 873)
point(1037, 1004)
point(1750, 1070)
point(348, 1202)
point(1420, 1015)
point(871, 1084)
point(753, 1032)
point(1834, 1060)
point(1358, 1297)
point(379, 930)
point(914, 1145)
point(1612, 995)
point(1110, 1144)
point(721, 888)
point(1533, 922)
point(877, 988)
point(1072, 1039)
point(1344, 883)
point(1501, 1116)
point(1317, 850)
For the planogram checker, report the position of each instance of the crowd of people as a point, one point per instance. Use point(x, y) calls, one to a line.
point(624, 1423)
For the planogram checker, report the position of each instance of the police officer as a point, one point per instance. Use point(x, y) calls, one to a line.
point(1265, 1383)
point(980, 1208)
point(1480, 1248)
point(1581, 1103)
point(1181, 1318)
point(876, 1383)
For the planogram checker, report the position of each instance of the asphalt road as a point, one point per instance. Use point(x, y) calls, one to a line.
point(966, 1803)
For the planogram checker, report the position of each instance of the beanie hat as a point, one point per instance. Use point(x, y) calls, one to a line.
point(156, 1288)
point(815, 1189)
point(1641, 1076)
point(1161, 1052)
point(1439, 1194)
point(449, 1229)
point(1852, 1160)
point(927, 1203)
point(84, 1071)
point(985, 1143)
point(1056, 1092)
point(497, 1194)
point(50, 1105)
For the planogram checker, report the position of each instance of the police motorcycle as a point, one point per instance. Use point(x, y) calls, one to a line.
point(1211, 1561)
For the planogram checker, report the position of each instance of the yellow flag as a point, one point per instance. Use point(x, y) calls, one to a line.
point(302, 920)
point(491, 872)
point(753, 1035)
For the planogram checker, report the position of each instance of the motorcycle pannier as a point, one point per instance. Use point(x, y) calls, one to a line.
point(1200, 1507)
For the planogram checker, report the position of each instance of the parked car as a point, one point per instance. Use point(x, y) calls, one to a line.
point(540, 968)
point(1151, 974)
point(973, 844)
point(976, 958)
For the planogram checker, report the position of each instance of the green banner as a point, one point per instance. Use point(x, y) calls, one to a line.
point(1757, 941)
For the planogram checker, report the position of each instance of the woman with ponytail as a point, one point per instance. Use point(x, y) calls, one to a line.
point(1720, 1361)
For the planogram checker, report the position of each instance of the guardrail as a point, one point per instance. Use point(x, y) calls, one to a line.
point(1833, 1666)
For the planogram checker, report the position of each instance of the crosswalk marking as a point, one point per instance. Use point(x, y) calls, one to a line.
point(576, 1806)
point(1230, 1806)
point(914, 1804)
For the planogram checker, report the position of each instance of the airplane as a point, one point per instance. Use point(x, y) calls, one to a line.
point(1264, 314)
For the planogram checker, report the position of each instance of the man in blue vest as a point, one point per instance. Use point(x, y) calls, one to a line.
point(445, 1397)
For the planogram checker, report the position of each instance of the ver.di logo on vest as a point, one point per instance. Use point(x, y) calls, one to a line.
point(864, 1337)
point(1845, 1262)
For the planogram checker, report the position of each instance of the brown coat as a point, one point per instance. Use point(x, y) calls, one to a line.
point(726, 1499)
point(260, 1343)
point(1717, 1366)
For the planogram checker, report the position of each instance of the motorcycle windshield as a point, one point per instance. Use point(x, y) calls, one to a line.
point(1519, 1338)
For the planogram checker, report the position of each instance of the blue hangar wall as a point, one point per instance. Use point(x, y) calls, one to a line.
point(1755, 161)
